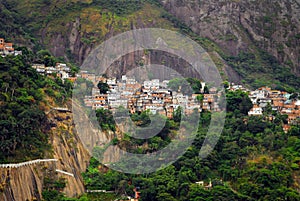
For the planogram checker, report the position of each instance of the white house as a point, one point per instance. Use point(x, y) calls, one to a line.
point(153, 84)
point(50, 70)
point(111, 81)
point(255, 111)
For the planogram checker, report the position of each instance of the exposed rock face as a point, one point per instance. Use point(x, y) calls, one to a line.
point(233, 25)
point(83, 31)
point(73, 158)
point(245, 25)
point(21, 184)
point(62, 44)
point(26, 183)
point(91, 136)
point(68, 148)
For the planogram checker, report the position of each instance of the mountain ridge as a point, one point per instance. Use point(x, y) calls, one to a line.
point(239, 25)
point(230, 31)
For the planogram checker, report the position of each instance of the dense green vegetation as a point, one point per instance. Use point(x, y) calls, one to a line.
point(9, 21)
point(103, 87)
point(158, 142)
point(253, 160)
point(52, 189)
point(23, 123)
point(260, 70)
point(238, 102)
point(142, 120)
point(120, 7)
point(105, 119)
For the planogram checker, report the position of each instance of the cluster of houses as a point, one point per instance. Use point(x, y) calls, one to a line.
point(279, 101)
point(60, 70)
point(153, 95)
point(7, 49)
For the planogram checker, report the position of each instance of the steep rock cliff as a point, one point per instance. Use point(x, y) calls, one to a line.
point(78, 33)
point(72, 28)
point(26, 183)
point(245, 25)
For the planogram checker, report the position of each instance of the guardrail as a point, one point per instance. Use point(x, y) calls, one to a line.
point(99, 191)
point(64, 172)
point(61, 109)
point(18, 165)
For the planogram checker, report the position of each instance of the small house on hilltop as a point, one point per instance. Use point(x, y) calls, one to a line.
point(7, 49)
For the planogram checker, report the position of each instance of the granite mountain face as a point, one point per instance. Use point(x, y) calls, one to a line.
point(228, 30)
point(245, 25)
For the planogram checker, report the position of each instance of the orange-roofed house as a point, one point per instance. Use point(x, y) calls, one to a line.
point(278, 103)
point(264, 89)
point(9, 46)
point(286, 128)
point(72, 79)
point(6, 48)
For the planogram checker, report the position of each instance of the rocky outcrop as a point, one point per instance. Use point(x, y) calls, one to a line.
point(71, 30)
point(26, 183)
point(69, 150)
point(82, 32)
point(21, 183)
point(235, 26)
point(68, 43)
point(245, 25)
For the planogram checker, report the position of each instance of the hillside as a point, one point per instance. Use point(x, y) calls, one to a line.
point(249, 44)
point(238, 26)
point(253, 43)
point(30, 129)
point(249, 32)
point(254, 160)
